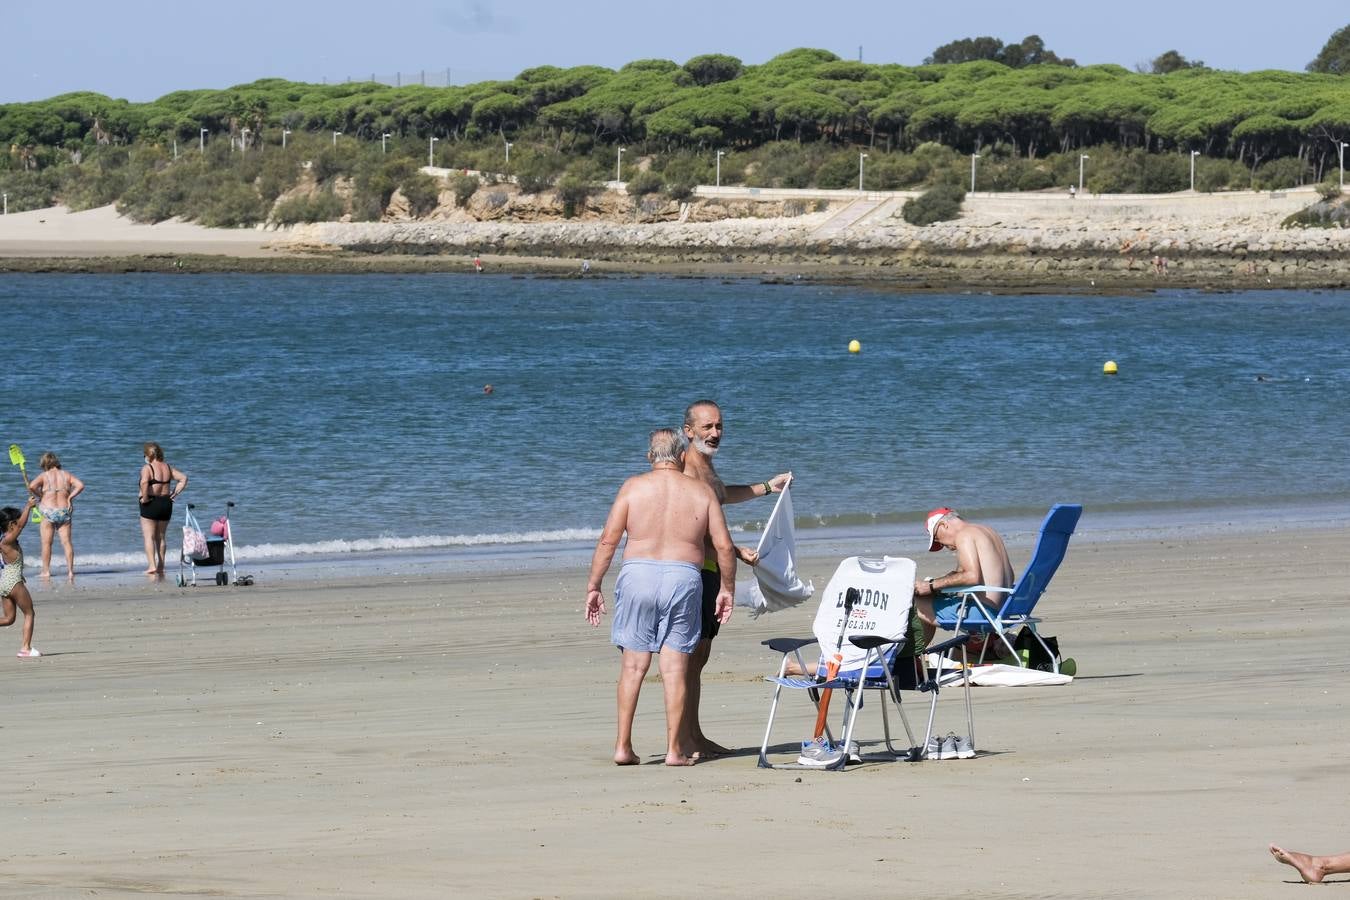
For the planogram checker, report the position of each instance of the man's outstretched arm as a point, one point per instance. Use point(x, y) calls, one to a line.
point(739, 493)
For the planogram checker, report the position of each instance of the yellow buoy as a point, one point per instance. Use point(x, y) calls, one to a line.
point(854, 347)
point(1109, 368)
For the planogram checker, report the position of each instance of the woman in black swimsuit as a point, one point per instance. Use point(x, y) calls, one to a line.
point(157, 498)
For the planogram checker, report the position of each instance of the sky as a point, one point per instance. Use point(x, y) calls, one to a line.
point(140, 50)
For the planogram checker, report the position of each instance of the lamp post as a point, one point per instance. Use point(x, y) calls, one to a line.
point(720, 154)
point(284, 132)
point(6, 196)
point(861, 157)
point(1194, 154)
point(201, 140)
point(335, 137)
point(243, 138)
point(431, 149)
point(1081, 159)
point(973, 157)
point(618, 167)
point(384, 142)
point(508, 153)
point(1342, 156)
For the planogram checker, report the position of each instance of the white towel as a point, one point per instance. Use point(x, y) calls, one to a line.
point(1001, 675)
point(776, 585)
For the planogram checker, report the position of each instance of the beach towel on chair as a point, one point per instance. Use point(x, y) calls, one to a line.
point(776, 585)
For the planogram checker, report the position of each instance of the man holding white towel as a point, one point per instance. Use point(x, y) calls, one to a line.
point(703, 429)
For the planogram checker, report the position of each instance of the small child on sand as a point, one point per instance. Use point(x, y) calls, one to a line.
point(13, 592)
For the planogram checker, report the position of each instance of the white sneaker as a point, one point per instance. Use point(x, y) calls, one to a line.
point(964, 748)
point(933, 750)
point(948, 750)
point(819, 754)
point(853, 755)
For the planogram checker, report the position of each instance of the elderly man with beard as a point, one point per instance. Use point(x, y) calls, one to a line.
point(703, 429)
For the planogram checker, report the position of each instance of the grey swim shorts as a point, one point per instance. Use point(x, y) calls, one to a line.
point(657, 604)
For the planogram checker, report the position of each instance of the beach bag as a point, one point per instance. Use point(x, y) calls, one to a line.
point(194, 543)
point(1033, 653)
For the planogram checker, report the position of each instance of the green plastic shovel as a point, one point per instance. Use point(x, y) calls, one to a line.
point(16, 458)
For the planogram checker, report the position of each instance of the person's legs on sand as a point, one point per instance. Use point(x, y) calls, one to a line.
point(1312, 869)
point(68, 545)
point(45, 531)
point(161, 528)
point(633, 668)
point(19, 600)
point(24, 601)
point(675, 680)
point(703, 745)
point(148, 535)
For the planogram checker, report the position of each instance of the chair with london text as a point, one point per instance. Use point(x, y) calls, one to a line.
point(865, 628)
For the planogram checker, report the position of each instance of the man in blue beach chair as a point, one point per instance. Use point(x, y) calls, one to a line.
point(981, 558)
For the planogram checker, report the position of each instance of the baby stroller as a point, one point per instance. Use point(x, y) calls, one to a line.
point(202, 550)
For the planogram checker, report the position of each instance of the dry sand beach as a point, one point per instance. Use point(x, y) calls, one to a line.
point(57, 232)
point(450, 736)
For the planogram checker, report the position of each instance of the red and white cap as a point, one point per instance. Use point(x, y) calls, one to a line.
point(935, 517)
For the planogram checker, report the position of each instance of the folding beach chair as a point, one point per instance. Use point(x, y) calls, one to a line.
point(865, 611)
point(972, 617)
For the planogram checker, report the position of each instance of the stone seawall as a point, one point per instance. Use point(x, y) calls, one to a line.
point(1119, 251)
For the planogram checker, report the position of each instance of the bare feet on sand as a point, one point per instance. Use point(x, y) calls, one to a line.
point(1308, 868)
point(624, 756)
point(679, 759)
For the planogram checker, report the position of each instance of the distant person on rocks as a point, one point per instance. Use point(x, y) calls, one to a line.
point(657, 598)
point(56, 490)
point(1312, 869)
point(158, 492)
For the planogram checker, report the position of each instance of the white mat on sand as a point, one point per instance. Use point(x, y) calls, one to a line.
point(1001, 675)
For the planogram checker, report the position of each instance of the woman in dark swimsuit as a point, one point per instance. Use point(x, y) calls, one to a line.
point(157, 498)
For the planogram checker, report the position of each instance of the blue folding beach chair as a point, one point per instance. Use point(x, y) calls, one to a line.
point(973, 617)
point(865, 613)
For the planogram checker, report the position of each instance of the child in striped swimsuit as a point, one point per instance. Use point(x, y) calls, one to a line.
point(13, 592)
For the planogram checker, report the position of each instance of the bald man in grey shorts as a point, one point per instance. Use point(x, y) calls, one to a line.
point(658, 595)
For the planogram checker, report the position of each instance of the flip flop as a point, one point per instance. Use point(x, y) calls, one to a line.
point(30, 653)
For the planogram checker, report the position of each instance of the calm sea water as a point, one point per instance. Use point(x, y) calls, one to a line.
point(346, 413)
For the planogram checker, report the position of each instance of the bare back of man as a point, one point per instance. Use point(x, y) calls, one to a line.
point(668, 518)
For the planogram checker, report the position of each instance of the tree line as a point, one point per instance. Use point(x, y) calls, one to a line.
point(1020, 106)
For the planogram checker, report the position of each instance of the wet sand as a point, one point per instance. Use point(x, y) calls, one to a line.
point(450, 735)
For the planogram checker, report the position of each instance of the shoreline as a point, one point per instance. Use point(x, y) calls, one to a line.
point(933, 276)
point(1164, 521)
point(409, 737)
